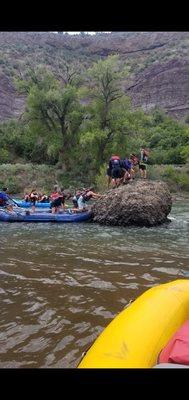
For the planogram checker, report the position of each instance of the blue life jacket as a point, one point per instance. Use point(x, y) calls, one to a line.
point(3, 199)
point(126, 164)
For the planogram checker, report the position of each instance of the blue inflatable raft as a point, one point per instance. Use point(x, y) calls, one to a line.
point(28, 204)
point(25, 216)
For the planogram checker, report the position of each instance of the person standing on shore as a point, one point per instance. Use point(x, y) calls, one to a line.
point(143, 163)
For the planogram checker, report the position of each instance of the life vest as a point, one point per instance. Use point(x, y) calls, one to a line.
point(33, 195)
point(27, 197)
point(3, 199)
point(54, 196)
point(87, 196)
point(134, 159)
point(144, 155)
point(44, 199)
point(126, 164)
point(177, 349)
point(145, 152)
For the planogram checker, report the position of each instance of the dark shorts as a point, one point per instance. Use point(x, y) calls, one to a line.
point(75, 203)
point(33, 200)
point(57, 203)
point(142, 166)
point(116, 173)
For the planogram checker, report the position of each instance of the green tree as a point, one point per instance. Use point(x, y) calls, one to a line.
point(53, 109)
point(105, 120)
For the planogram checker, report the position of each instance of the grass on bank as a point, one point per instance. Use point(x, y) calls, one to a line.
point(20, 178)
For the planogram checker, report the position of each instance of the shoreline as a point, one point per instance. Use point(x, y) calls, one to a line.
point(180, 196)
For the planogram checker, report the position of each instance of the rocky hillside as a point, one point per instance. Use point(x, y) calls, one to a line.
point(158, 61)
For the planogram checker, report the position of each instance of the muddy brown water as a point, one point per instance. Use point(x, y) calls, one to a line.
point(61, 284)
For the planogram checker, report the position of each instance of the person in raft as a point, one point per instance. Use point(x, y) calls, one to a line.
point(84, 197)
point(33, 197)
point(43, 198)
point(56, 199)
point(5, 200)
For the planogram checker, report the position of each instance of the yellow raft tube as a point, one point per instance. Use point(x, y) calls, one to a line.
point(136, 336)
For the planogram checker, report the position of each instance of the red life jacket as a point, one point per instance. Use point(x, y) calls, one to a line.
point(177, 349)
point(54, 196)
point(135, 160)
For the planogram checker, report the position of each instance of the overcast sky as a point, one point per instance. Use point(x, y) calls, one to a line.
point(77, 33)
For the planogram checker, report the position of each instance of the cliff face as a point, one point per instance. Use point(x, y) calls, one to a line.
point(158, 61)
point(164, 85)
point(11, 103)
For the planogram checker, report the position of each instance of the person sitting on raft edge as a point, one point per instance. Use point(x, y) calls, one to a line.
point(5, 200)
point(33, 197)
point(84, 197)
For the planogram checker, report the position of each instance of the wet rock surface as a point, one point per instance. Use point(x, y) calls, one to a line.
point(139, 203)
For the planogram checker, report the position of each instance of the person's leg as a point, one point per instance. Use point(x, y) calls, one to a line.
point(33, 205)
point(124, 176)
point(117, 175)
point(128, 176)
point(10, 208)
point(108, 174)
point(109, 178)
point(53, 206)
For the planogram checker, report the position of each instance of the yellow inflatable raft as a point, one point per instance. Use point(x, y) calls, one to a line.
point(137, 335)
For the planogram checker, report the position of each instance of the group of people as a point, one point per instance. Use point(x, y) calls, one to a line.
point(56, 199)
point(118, 171)
point(124, 170)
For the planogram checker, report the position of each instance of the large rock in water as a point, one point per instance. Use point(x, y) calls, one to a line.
point(140, 203)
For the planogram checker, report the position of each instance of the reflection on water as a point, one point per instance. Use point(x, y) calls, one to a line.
point(60, 285)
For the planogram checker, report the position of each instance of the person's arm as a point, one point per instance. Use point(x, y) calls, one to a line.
point(96, 195)
point(6, 197)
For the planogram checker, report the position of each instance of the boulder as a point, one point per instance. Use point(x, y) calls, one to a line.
point(140, 203)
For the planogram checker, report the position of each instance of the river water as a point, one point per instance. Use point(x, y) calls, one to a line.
point(61, 284)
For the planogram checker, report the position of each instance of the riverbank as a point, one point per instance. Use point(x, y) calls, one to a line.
point(21, 178)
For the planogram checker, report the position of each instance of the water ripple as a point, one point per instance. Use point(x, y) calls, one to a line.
point(62, 284)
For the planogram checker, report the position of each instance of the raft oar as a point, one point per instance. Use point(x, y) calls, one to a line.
point(13, 201)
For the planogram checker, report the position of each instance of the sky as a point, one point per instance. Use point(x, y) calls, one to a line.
point(77, 33)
